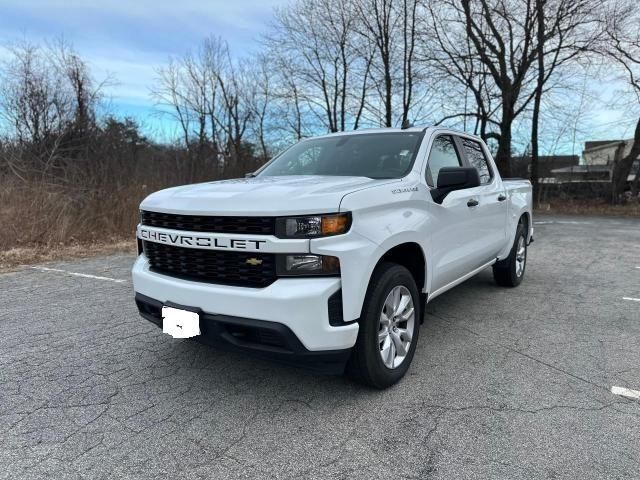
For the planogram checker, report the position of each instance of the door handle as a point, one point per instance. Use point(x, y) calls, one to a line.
point(502, 198)
point(472, 203)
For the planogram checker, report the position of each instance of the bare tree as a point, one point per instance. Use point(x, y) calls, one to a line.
point(492, 48)
point(290, 104)
point(238, 112)
point(565, 30)
point(623, 19)
point(502, 35)
point(85, 93)
point(208, 94)
point(260, 96)
point(315, 46)
point(390, 28)
point(459, 74)
point(48, 102)
point(32, 102)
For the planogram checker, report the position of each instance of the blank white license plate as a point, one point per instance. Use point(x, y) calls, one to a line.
point(180, 323)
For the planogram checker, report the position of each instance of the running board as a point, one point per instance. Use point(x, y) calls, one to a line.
point(448, 286)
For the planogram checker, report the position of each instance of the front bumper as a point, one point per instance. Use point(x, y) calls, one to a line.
point(272, 340)
point(299, 304)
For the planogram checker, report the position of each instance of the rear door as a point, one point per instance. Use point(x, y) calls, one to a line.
point(488, 221)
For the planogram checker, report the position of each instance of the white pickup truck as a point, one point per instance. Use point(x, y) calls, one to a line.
point(328, 254)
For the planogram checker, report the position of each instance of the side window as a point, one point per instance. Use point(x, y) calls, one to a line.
point(476, 157)
point(443, 154)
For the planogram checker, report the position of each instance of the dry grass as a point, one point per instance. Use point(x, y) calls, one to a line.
point(43, 223)
point(594, 207)
point(19, 256)
point(51, 218)
point(40, 215)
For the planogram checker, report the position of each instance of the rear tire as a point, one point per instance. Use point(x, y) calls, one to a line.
point(510, 271)
point(389, 328)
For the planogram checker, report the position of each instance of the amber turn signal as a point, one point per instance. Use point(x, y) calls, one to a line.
point(335, 224)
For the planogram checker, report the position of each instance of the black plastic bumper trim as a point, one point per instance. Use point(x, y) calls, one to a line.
point(264, 338)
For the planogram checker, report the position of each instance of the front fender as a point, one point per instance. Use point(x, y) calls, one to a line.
point(358, 257)
point(383, 218)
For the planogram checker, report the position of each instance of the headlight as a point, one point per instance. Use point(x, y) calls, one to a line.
point(308, 264)
point(313, 226)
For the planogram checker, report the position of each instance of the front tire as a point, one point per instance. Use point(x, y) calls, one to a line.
point(389, 328)
point(510, 271)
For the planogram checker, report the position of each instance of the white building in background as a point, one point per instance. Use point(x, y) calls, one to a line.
point(605, 152)
point(597, 161)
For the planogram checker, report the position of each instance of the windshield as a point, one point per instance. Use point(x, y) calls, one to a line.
point(376, 155)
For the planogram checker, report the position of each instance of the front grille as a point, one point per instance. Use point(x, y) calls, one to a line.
point(211, 266)
point(203, 223)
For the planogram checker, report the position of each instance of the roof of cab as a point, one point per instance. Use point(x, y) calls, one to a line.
point(364, 131)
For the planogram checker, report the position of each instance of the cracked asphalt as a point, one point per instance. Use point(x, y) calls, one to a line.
point(506, 383)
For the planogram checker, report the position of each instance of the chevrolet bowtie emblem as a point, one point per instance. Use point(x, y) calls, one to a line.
point(253, 261)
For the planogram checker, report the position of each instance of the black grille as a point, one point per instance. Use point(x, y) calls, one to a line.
point(211, 266)
point(202, 223)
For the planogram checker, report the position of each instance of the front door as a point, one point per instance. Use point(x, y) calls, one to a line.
point(453, 238)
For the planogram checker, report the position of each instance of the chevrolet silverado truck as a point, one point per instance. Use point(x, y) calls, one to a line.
point(327, 255)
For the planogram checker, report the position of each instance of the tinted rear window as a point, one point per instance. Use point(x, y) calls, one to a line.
point(475, 156)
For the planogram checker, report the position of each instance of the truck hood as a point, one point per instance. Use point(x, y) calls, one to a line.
point(285, 195)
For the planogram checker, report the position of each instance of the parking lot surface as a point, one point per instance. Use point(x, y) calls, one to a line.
point(505, 383)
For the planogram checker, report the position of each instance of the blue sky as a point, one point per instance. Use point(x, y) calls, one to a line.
point(129, 40)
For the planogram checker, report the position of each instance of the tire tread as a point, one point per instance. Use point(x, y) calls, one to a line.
point(359, 368)
point(504, 270)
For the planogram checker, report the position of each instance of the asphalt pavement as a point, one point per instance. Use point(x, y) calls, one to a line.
point(505, 383)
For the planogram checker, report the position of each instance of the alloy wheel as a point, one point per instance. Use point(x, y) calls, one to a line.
point(521, 256)
point(396, 328)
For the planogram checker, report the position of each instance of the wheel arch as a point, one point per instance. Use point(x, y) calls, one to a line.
point(528, 223)
point(410, 255)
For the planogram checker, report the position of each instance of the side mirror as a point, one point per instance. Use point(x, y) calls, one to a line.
point(454, 178)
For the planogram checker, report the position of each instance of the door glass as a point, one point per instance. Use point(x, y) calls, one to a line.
point(443, 154)
point(475, 156)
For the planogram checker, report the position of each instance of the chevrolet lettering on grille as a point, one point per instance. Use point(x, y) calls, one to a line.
point(201, 241)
